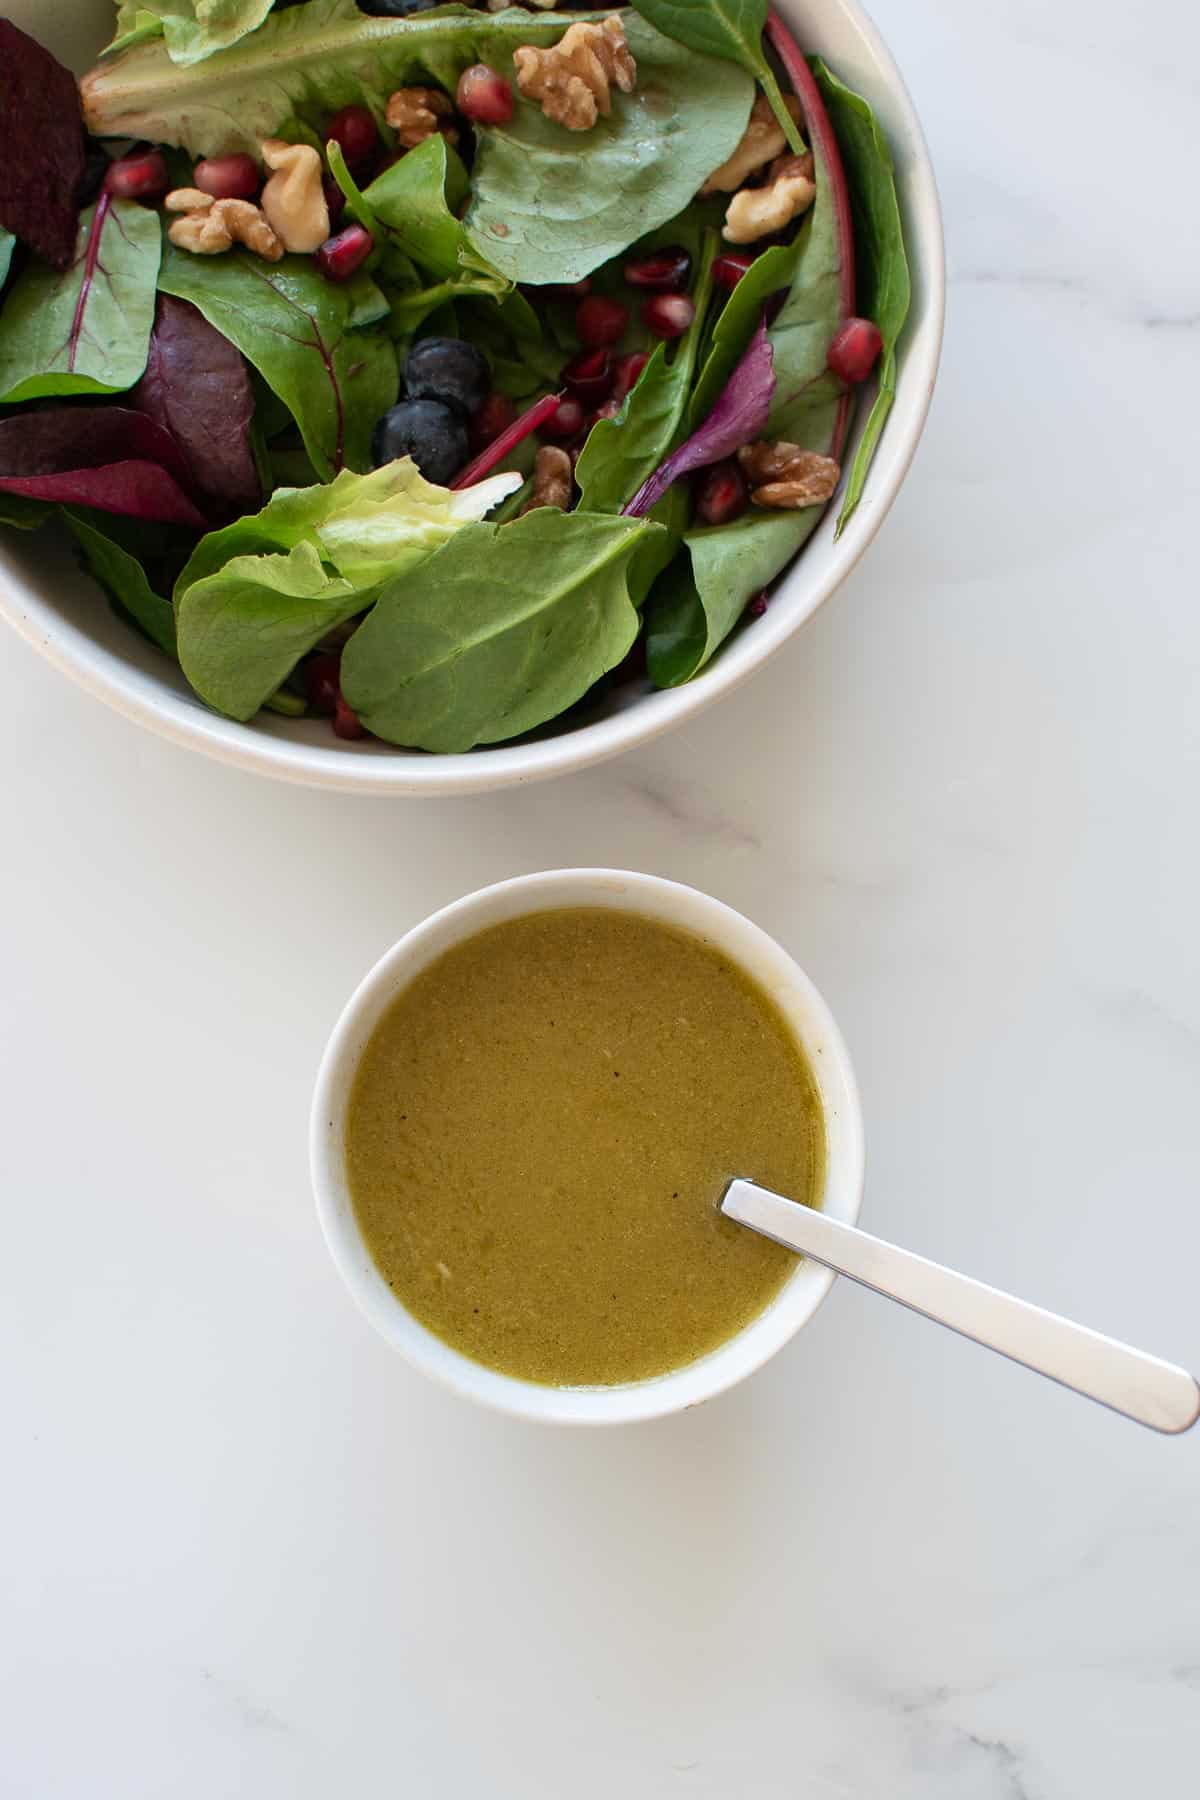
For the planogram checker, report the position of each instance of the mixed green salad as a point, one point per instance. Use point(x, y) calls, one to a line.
point(433, 367)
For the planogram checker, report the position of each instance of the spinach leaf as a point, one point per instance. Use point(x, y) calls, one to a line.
point(7, 242)
point(85, 331)
point(732, 30)
point(258, 595)
point(411, 210)
point(885, 289)
point(300, 66)
point(193, 28)
point(503, 629)
point(123, 578)
point(621, 453)
point(294, 326)
point(543, 212)
point(698, 602)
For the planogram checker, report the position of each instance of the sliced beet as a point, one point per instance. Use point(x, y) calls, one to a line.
point(41, 147)
point(197, 389)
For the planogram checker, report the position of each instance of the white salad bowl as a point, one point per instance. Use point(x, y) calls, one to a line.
point(62, 613)
point(745, 944)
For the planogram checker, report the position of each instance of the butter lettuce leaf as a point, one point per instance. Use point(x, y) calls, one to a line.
point(258, 595)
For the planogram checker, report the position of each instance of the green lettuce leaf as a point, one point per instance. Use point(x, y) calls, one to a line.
point(193, 29)
point(884, 285)
point(543, 210)
point(87, 330)
point(504, 628)
point(258, 595)
point(298, 331)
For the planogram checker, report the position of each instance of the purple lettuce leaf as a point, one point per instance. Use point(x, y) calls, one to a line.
point(197, 387)
point(41, 147)
point(737, 418)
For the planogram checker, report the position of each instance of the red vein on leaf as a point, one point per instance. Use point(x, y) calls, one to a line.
point(90, 263)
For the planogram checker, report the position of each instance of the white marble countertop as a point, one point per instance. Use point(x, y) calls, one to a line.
point(246, 1552)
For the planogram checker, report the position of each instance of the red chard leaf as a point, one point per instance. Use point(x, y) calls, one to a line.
point(139, 490)
point(109, 457)
point(197, 387)
point(41, 147)
point(84, 437)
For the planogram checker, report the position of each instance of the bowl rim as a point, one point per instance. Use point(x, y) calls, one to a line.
point(387, 770)
point(754, 951)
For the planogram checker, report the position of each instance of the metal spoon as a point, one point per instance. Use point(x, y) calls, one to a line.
point(1151, 1392)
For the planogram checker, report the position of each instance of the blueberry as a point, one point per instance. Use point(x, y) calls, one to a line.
point(432, 434)
point(449, 370)
point(395, 9)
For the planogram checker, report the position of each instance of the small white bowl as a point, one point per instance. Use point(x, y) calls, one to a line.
point(765, 962)
point(63, 614)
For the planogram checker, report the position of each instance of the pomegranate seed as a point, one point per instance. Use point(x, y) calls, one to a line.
point(728, 270)
point(341, 256)
point(721, 493)
point(346, 722)
point(335, 200)
point(628, 372)
point(600, 321)
point(140, 177)
point(228, 177)
point(589, 376)
point(854, 350)
point(495, 415)
point(566, 423)
point(662, 272)
point(756, 606)
point(356, 132)
point(668, 315)
point(322, 683)
point(484, 97)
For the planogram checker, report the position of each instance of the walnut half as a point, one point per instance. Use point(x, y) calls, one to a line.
point(209, 227)
point(573, 79)
point(415, 113)
point(762, 141)
point(759, 212)
point(294, 197)
point(785, 476)
point(552, 479)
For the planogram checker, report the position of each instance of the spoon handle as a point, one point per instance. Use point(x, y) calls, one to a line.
point(1142, 1387)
